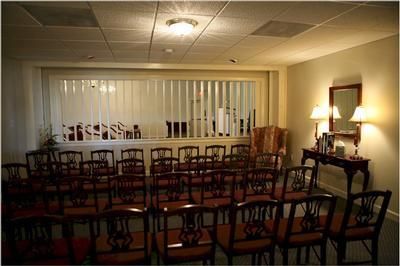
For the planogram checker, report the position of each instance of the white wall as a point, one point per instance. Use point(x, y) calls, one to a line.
point(376, 66)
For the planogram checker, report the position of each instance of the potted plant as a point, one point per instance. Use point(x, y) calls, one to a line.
point(47, 138)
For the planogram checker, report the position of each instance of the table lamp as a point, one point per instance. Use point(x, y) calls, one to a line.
point(316, 115)
point(359, 116)
point(336, 115)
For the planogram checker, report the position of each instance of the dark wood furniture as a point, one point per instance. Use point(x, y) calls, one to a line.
point(359, 223)
point(350, 167)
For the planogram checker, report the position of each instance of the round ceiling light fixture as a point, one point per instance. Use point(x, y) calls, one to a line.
point(181, 26)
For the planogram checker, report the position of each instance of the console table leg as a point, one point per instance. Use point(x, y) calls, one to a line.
point(350, 175)
point(316, 174)
point(366, 179)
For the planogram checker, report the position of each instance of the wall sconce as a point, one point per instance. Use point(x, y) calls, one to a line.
point(317, 114)
point(359, 116)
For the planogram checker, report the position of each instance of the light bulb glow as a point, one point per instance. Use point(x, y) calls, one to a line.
point(181, 26)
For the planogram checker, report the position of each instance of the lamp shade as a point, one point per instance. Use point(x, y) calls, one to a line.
point(317, 113)
point(360, 114)
point(336, 114)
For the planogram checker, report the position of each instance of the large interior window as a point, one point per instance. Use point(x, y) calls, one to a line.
point(129, 109)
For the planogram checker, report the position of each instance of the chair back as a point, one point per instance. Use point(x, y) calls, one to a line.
point(40, 240)
point(117, 234)
point(161, 152)
point(266, 159)
point(216, 151)
point(240, 149)
point(96, 169)
point(200, 164)
point(104, 156)
point(163, 165)
point(218, 184)
point(254, 221)
point(236, 161)
point(131, 189)
point(193, 230)
point(308, 218)
point(37, 163)
point(132, 153)
point(13, 172)
point(364, 213)
point(168, 187)
point(295, 179)
point(71, 160)
point(260, 181)
point(131, 166)
point(185, 154)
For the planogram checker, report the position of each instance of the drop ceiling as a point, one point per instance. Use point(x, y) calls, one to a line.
point(253, 33)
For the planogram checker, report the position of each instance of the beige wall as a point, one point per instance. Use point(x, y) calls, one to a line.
point(376, 66)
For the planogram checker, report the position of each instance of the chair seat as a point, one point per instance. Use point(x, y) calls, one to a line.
point(88, 209)
point(289, 195)
point(118, 204)
point(195, 181)
point(181, 166)
point(303, 239)
point(164, 203)
point(80, 245)
point(245, 246)
point(105, 255)
point(101, 186)
point(184, 254)
point(75, 172)
point(134, 170)
point(209, 201)
point(351, 233)
point(239, 196)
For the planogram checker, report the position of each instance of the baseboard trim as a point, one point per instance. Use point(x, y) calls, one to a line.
point(343, 194)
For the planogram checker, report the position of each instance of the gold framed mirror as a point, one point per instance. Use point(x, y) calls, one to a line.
point(343, 100)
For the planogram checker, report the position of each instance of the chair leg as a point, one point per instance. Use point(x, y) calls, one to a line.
point(308, 254)
point(230, 260)
point(340, 252)
point(323, 254)
point(374, 247)
point(253, 259)
point(272, 257)
point(285, 258)
point(298, 256)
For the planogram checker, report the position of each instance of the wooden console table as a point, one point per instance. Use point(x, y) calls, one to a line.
point(351, 167)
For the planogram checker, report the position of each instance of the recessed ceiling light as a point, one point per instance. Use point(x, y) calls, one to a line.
point(169, 50)
point(90, 57)
point(181, 26)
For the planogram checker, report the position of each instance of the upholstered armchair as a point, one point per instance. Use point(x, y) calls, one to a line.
point(270, 139)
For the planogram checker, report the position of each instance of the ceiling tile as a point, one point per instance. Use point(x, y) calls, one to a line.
point(73, 4)
point(195, 61)
point(258, 10)
point(76, 34)
point(33, 44)
point(124, 19)
point(88, 45)
point(164, 60)
point(178, 48)
point(369, 17)
point(200, 56)
point(391, 4)
point(131, 54)
point(131, 60)
point(13, 14)
point(263, 42)
point(18, 33)
point(241, 54)
point(234, 25)
point(129, 6)
point(191, 7)
point(128, 46)
point(61, 53)
point(127, 35)
point(98, 53)
point(205, 49)
point(281, 29)
point(168, 37)
point(217, 39)
point(313, 12)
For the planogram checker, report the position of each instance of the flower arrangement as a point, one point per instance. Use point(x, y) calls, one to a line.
point(47, 138)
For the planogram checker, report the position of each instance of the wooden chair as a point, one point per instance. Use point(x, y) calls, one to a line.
point(217, 152)
point(185, 153)
point(131, 166)
point(163, 165)
point(98, 171)
point(243, 149)
point(72, 161)
point(237, 163)
point(132, 153)
point(191, 239)
point(266, 159)
point(157, 153)
point(45, 240)
point(307, 226)
point(359, 223)
point(168, 192)
point(122, 237)
point(13, 172)
point(217, 188)
point(131, 192)
point(197, 166)
point(259, 184)
point(295, 183)
point(251, 230)
point(78, 201)
point(104, 156)
point(37, 162)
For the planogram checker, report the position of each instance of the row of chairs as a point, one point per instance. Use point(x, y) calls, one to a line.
point(191, 233)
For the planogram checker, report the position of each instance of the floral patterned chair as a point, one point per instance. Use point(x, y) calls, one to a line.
point(270, 139)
